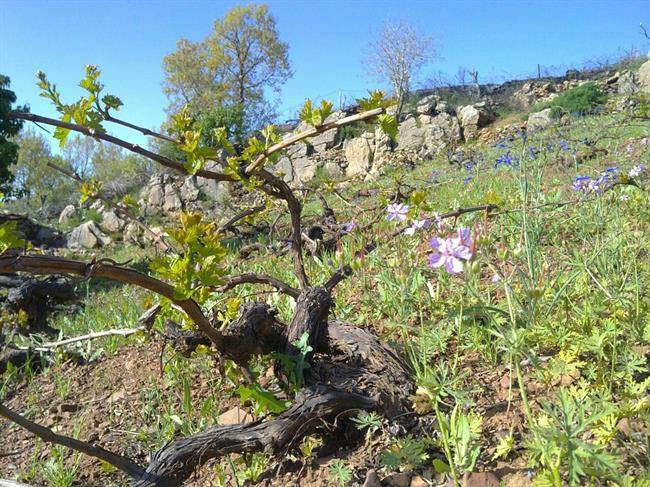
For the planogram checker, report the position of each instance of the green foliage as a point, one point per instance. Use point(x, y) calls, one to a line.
point(464, 438)
point(198, 265)
point(580, 100)
point(558, 442)
point(371, 422)
point(261, 399)
point(339, 472)
point(9, 128)
point(405, 453)
point(241, 59)
point(89, 111)
point(295, 365)
point(316, 116)
point(227, 120)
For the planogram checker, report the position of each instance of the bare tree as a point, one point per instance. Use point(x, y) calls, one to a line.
point(397, 55)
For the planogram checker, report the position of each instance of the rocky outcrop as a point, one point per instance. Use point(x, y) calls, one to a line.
point(644, 77)
point(539, 120)
point(165, 193)
point(428, 135)
point(87, 235)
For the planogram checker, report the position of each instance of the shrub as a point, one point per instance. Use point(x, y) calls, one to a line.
point(580, 100)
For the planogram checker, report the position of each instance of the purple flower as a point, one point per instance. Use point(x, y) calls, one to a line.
point(580, 183)
point(417, 225)
point(564, 145)
point(506, 159)
point(501, 145)
point(495, 278)
point(465, 238)
point(532, 152)
point(467, 179)
point(629, 149)
point(636, 170)
point(599, 185)
point(397, 211)
point(450, 253)
point(348, 227)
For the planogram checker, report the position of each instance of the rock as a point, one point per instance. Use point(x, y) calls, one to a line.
point(235, 415)
point(87, 235)
point(428, 135)
point(627, 84)
point(613, 79)
point(189, 192)
point(539, 120)
point(156, 196)
point(400, 479)
point(372, 479)
point(284, 169)
point(472, 118)
point(359, 153)
point(418, 481)
point(427, 105)
point(383, 149)
point(172, 201)
point(333, 170)
point(111, 222)
point(132, 233)
point(481, 479)
point(644, 77)
point(66, 214)
point(304, 169)
point(326, 140)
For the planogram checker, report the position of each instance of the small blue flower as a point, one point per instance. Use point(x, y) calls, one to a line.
point(564, 145)
point(506, 159)
point(532, 152)
point(467, 179)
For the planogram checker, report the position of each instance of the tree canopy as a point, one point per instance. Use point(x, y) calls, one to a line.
point(8, 129)
point(241, 59)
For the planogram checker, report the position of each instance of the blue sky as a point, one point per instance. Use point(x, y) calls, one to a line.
point(327, 38)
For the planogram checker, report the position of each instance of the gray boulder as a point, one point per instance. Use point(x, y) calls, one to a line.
point(111, 222)
point(472, 118)
point(87, 235)
point(427, 105)
point(359, 153)
point(627, 84)
point(539, 120)
point(304, 169)
point(66, 214)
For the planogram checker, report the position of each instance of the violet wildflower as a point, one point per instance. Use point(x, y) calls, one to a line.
point(629, 148)
point(636, 170)
point(465, 238)
point(506, 159)
point(564, 145)
point(600, 185)
point(501, 145)
point(348, 227)
point(397, 211)
point(580, 183)
point(532, 152)
point(450, 253)
point(467, 179)
point(417, 225)
point(495, 278)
